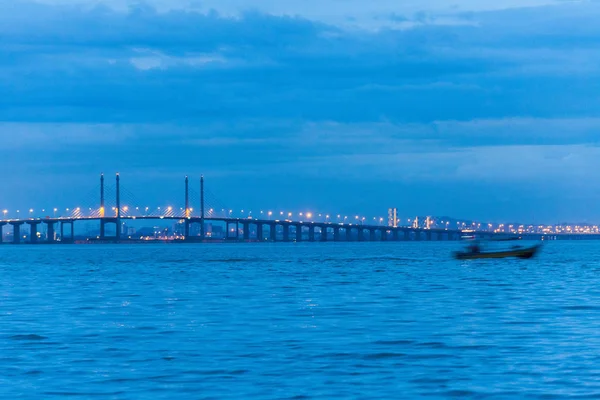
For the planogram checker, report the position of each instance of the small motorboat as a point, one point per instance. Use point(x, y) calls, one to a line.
point(474, 252)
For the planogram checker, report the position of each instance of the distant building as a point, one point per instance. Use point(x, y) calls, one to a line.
point(393, 217)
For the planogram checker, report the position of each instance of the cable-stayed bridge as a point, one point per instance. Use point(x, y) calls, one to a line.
point(113, 206)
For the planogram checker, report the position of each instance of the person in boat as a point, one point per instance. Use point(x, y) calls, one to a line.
point(474, 248)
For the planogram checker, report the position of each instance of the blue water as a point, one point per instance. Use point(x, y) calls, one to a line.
point(304, 321)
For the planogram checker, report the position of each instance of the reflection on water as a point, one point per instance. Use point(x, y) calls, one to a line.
point(358, 320)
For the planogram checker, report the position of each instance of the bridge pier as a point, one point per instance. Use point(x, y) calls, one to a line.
point(384, 235)
point(336, 234)
point(50, 234)
point(2, 232)
point(298, 232)
point(323, 234)
point(311, 233)
point(16, 232)
point(372, 235)
point(246, 228)
point(186, 228)
point(33, 231)
point(259, 232)
point(348, 234)
point(286, 233)
point(72, 233)
point(361, 234)
point(428, 236)
point(273, 232)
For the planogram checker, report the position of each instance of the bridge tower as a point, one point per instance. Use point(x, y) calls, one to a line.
point(102, 225)
point(202, 207)
point(186, 223)
point(118, 230)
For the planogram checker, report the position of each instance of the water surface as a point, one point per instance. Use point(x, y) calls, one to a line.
point(311, 320)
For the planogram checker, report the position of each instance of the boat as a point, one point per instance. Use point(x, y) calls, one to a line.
point(475, 252)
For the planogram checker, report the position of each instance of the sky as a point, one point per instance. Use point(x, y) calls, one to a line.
point(463, 109)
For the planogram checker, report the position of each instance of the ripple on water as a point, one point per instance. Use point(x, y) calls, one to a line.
point(30, 337)
point(297, 321)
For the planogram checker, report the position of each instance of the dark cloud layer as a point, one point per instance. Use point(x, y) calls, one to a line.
point(490, 101)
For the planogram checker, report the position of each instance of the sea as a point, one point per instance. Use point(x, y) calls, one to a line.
point(297, 321)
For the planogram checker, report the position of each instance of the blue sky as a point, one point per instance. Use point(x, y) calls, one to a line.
point(469, 110)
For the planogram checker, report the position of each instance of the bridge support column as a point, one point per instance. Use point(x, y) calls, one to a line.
point(311, 233)
point(428, 236)
point(2, 232)
point(259, 232)
point(50, 234)
point(237, 230)
point(407, 236)
point(72, 231)
point(186, 229)
point(62, 231)
point(273, 232)
point(348, 234)
point(246, 228)
point(286, 233)
point(372, 235)
point(395, 235)
point(298, 233)
point(16, 233)
point(118, 207)
point(336, 234)
point(324, 234)
point(33, 238)
point(384, 234)
point(102, 229)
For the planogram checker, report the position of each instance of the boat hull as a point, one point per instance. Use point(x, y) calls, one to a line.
point(523, 253)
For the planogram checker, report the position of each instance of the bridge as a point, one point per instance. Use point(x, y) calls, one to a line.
point(61, 229)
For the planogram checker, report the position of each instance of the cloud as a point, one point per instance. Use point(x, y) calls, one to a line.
point(187, 65)
point(412, 95)
point(350, 13)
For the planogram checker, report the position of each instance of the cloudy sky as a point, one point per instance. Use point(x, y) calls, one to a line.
point(462, 108)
